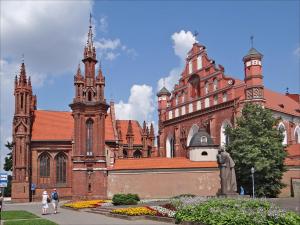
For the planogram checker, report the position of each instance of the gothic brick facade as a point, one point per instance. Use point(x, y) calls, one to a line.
point(89, 153)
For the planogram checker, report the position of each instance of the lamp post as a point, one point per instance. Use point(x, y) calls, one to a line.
point(252, 175)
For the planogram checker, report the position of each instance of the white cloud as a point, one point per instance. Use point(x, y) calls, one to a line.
point(182, 43)
point(140, 105)
point(111, 55)
point(107, 44)
point(51, 47)
point(103, 24)
point(297, 51)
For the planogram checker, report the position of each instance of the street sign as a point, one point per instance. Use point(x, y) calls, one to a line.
point(33, 186)
point(3, 179)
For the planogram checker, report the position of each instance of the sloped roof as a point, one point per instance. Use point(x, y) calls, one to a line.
point(197, 141)
point(160, 163)
point(58, 125)
point(137, 130)
point(275, 100)
point(163, 91)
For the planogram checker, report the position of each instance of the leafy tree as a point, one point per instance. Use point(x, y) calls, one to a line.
point(256, 142)
point(8, 159)
point(8, 167)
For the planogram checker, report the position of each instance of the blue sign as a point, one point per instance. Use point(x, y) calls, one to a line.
point(33, 186)
point(3, 179)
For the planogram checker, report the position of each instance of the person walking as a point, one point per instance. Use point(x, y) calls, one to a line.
point(45, 201)
point(54, 200)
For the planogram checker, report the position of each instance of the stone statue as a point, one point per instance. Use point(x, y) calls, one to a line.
point(227, 173)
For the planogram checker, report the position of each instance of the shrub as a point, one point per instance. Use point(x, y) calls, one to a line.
point(236, 212)
point(125, 199)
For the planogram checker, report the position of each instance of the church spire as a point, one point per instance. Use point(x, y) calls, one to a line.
point(89, 50)
point(22, 76)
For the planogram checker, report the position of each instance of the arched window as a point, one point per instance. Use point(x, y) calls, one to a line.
point(61, 169)
point(204, 153)
point(206, 87)
point(194, 129)
point(89, 137)
point(170, 147)
point(89, 96)
point(45, 165)
point(204, 139)
point(224, 138)
point(215, 84)
point(125, 154)
point(282, 129)
point(137, 154)
point(297, 135)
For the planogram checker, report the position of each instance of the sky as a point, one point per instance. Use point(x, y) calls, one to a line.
point(139, 43)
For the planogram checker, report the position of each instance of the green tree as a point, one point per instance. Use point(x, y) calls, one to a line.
point(8, 167)
point(256, 142)
point(8, 159)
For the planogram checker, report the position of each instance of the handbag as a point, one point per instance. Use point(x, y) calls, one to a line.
point(48, 200)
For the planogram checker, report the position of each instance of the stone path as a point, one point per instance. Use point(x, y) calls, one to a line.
point(71, 217)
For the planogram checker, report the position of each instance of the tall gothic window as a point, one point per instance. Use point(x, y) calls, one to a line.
point(215, 84)
point(61, 169)
point(206, 87)
point(45, 165)
point(89, 137)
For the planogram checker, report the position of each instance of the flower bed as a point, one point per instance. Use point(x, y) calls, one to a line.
point(86, 204)
point(135, 211)
point(236, 211)
point(162, 211)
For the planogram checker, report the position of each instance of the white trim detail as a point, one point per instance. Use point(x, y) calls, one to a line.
point(282, 126)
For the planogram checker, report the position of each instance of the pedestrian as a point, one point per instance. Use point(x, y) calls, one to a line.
point(54, 199)
point(45, 201)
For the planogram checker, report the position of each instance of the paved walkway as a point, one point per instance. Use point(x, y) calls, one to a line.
point(71, 217)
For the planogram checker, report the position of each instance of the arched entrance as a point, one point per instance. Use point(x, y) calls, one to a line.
point(170, 147)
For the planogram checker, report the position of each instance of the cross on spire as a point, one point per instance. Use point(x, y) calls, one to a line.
point(287, 90)
point(251, 40)
point(90, 20)
point(22, 58)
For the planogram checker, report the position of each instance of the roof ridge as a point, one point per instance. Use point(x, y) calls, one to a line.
point(49, 110)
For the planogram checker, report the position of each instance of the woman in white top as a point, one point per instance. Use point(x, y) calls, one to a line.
point(45, 202)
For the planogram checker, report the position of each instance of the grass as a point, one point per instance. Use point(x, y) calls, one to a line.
point(20, 217)
point(30, 222)
point(18, 214)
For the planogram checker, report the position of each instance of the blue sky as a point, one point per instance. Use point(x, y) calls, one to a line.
point(137, 43)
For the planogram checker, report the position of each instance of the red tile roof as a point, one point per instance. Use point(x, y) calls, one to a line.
point(137, 130)
point(160, 163)
point(57, 125)
point(52, 125)
point(275, 99)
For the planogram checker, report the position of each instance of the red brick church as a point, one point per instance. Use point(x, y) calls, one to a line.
point(89, 153)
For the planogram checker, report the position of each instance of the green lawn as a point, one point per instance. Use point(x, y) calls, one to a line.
point(30, 222)
point(18, 214)
point(21, 217)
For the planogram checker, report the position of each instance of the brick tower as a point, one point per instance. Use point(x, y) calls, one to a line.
point(25, 103)
point(89, 110)
point(254, 90)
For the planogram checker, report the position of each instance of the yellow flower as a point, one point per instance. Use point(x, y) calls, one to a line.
point(136, 211)
point(85, 204)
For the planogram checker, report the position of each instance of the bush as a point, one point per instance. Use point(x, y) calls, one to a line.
point(125, 199)
point(236, 212)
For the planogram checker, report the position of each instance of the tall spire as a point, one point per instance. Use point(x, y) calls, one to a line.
point(129, 129)
point(22, 76)
point(90, 35)
point(89, 50)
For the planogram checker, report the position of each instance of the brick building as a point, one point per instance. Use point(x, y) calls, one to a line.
point(89, 153)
